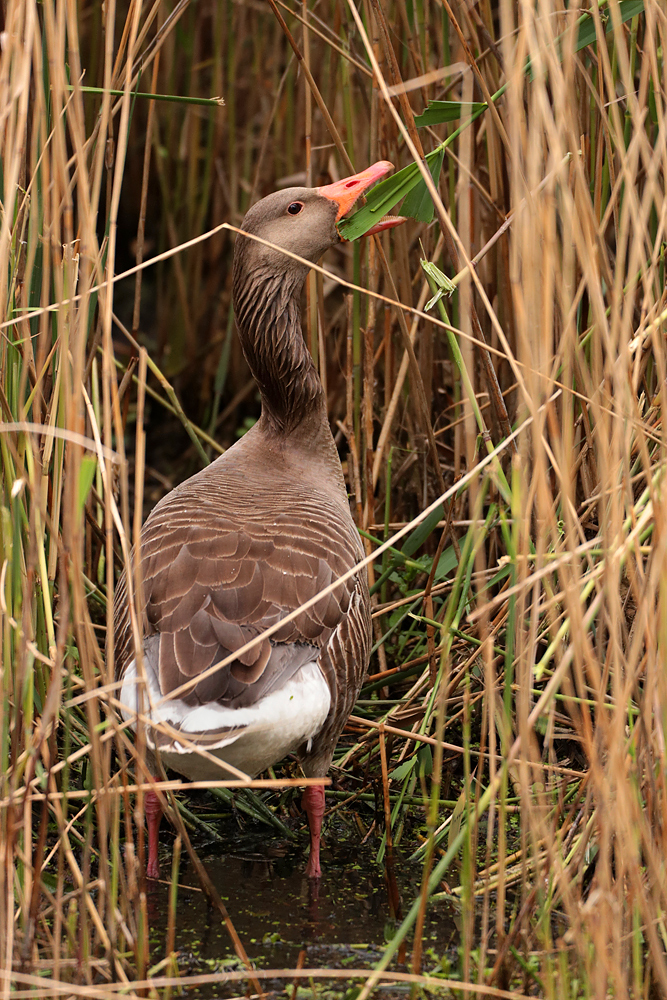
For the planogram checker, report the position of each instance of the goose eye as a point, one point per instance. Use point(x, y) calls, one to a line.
point(295, 207)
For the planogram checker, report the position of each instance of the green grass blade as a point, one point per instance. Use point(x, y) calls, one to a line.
point(439, 112)
point(383, 198)
point(419, 204)
point(586, 35)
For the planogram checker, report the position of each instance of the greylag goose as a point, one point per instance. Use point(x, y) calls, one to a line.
point(237, 547)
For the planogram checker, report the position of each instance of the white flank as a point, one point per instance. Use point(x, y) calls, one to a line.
point(276, 725)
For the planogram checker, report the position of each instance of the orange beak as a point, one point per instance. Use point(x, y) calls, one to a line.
point(346, 192)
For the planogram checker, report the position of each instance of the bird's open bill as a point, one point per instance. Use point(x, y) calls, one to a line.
point(389, 222)
point(346, 191)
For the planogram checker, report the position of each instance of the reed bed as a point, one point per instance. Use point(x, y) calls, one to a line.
point(505, 457)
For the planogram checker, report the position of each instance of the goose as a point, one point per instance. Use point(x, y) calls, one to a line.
point(249, 539)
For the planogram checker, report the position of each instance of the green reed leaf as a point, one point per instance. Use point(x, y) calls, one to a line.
point(439, 112)
point(627, 9)
point(217, 102)
point(86, 476)
point(419, 204)
point(383, 198)
point(443, 283)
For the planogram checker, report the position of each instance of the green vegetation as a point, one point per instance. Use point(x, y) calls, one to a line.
point(495, 371)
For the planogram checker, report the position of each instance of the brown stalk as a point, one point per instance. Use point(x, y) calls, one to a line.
point(472, 62)
point(390, 56)
point(390, 867)
point(445, 221)
point(328, 120)
point(414, 367)
point(141, 226)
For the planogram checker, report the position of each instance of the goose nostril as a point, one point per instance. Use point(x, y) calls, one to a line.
point(351, 184)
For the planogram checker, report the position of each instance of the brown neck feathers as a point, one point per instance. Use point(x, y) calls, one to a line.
point(267, 311)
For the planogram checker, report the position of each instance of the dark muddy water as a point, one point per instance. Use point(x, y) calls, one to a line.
point(340, 922)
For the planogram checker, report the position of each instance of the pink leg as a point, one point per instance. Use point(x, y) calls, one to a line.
point(313, 803)
point(153, 813)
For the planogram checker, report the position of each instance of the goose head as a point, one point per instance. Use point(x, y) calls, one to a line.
point(266, 291)
point(302, 221)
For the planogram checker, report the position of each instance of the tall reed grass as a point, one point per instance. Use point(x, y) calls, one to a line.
point(508, 447)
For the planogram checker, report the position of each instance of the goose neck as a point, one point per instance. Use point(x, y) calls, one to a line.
point(269, 323)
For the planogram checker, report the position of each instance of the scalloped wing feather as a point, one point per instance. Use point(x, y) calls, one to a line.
point(213, 580)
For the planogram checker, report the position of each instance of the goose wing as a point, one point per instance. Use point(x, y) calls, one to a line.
point(213, 580)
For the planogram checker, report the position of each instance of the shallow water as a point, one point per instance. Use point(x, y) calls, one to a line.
point(343, 920)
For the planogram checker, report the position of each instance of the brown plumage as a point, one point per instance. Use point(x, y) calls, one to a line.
point(251, 538)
